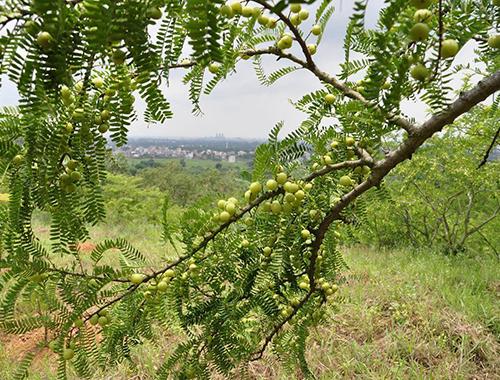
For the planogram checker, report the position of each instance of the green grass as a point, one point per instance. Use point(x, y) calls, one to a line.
point(400, 315)
point(198, 163)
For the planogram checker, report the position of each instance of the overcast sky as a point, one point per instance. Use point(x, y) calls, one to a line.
point(240, 106)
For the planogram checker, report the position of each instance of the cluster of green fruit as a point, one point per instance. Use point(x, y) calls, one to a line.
point(102, 318)
point(70, 177)
point(420, 31)
point(228, 209)
point(68, 352)
point(236, 8)
point(161, 283)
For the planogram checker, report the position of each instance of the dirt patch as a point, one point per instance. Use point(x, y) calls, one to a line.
point(86, 247)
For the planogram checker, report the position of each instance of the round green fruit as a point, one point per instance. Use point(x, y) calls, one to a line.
point(230, 208)
point(214, 67)
point(267, 251)
point(312, 48)
point(329, 98)
point(304, 285)
point(349, 141)
point(44, 39)
point(137, 278)
point(245, 243)
point(75, 176)
point(255, 187)
point(272, 23)
point(226, 11)
point(66, 92)
point(154, 13)
point(304, 14)
point(79, 323)
point(237, 7)
point(105, 115)
point(300, 195)
point(247, 11)
point(263, 20)
point(419, 31)
point(94, 319)
point(72, 164)
point(18, 160)
point(169, 273)
point(289, 198)
point(224, 217)
point(98, 82)
point(271, 185)
point(103, 321)
point(305, 234)
point(276, 207)
point(449, 48)
point(295, 19)
point(295, 8)
point(68, 354)
point(316, 30)
point(494, 41)
point(422, 15)
point(419, 72)
point(345, 180)
point(162, 286)
point(281, 178)
point(103, 128)
point(221, 204)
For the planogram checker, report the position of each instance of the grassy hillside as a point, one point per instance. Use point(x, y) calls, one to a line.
point(399, 315)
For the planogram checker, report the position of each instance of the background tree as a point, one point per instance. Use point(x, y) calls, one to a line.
point(257, 272)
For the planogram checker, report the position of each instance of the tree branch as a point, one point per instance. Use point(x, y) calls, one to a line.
point(490, 148)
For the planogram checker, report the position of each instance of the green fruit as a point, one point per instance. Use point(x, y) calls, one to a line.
point(291, 187)
point(256, 12)
point(295, 8)
point(300, 195)
point(420, 4)
point(267, 251)
point(137, 278)
point(419, 32)
point(103, 321)
point(312, 48)
point(329, 98)
point(272, 23)
point(154, 13)
point(53, 345)
point(295, 19)
point(263, 20)
point(419, 72)
point(245, 243)
point(103, 128)
point(422, 15)
point(18, 160)
point(72, 164)
point(328, 160)
point(281, 178)
point(305, 234)
point(345, 180)
point(169, 273)
point(78, 323)
point(44, 39)
point(304, 14)
point(276, 207)
point(349, 141)
point(271, 185)
point(94, 319)
point(224, 217)
point(255, 187)
point(105, 115)
point(494, 41)
point(98, 82)
point(247, 11)
point(104, 313)
point(118, 57)
point(449, 48)
point(304, 285)
point(236, 7)
point(214, 67)
point(285, 42)
point(79, 114)
point(162, 286)
point(289, 198)
point(66, 92)
point(230, 208)
point(75, 176)
point(226, 11)
point(266, 206)
point(221, 204)
point(316, 30)
point(68, 354)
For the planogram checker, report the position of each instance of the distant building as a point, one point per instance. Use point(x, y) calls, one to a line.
point(231, 159)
